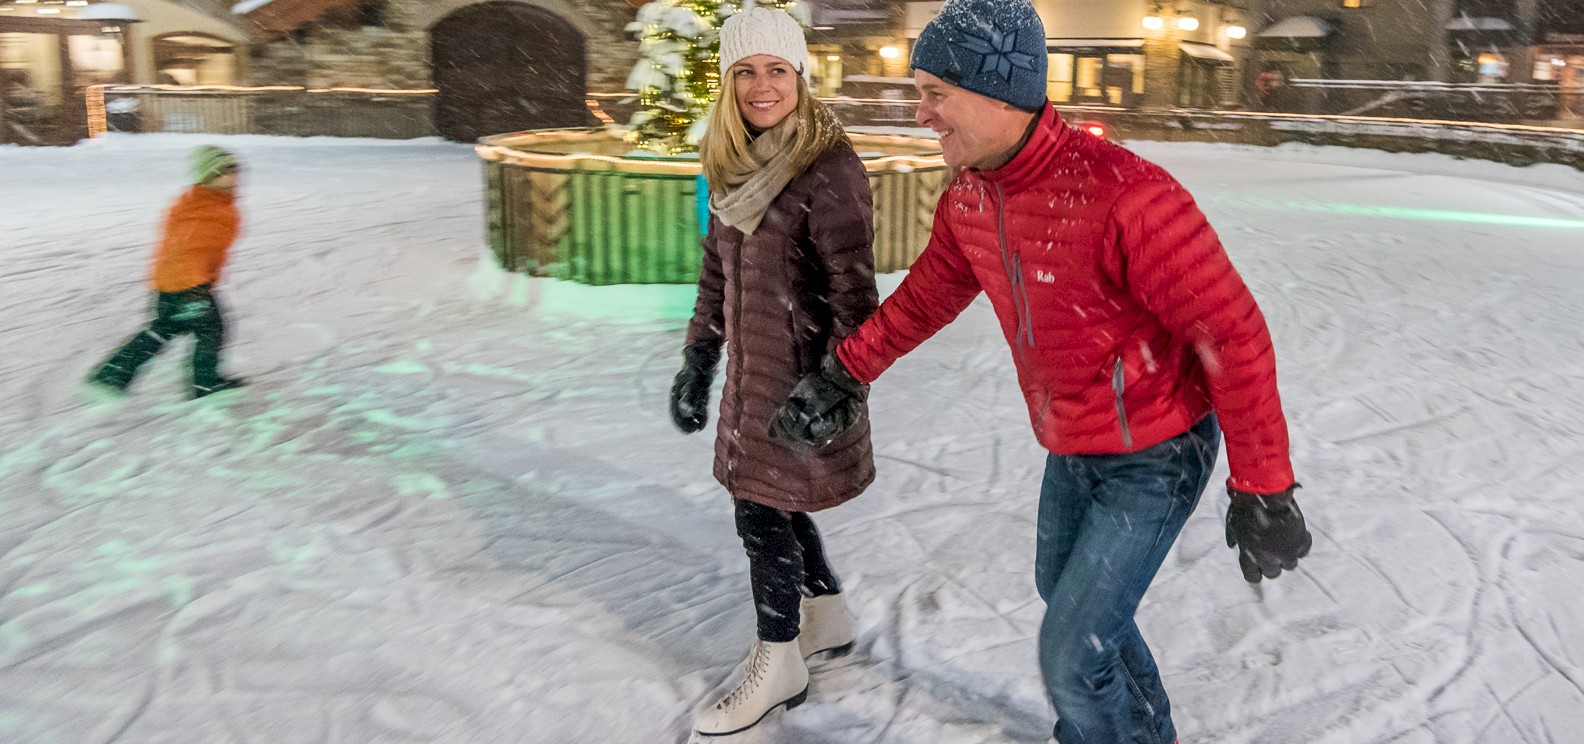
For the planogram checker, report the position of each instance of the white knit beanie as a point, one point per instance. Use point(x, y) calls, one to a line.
point(763, 31)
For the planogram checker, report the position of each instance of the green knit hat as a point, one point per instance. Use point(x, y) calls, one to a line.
point(208, 161)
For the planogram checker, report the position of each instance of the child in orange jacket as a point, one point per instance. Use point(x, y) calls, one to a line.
point(199, 229)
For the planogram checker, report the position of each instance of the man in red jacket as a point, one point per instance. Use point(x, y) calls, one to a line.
point(1134, 339)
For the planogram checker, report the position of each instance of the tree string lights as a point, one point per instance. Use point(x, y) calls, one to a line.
point(678, 77)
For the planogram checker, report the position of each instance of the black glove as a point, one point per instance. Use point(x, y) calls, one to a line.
point(822, 406)
point(1268, 531)
point(690, 391)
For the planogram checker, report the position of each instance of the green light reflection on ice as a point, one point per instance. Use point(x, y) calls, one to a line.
point(1409, 213)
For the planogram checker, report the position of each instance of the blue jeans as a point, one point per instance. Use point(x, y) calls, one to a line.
point(1105, 525)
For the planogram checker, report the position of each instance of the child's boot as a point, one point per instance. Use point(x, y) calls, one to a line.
point(220, 385)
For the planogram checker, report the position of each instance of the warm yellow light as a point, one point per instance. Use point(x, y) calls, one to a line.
point(1471, 125)
point(833, 58)
point(268, 88)
point(379, 91)
point(98, 122)
point(507, 149)
point(594, 106)
point(1188, 23)
point(514, 156)
point(1154, 23)
point(890, 52)
point(1236, 32)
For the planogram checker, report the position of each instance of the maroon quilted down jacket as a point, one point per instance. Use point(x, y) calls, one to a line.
point(780, 299)
point(1127, 321)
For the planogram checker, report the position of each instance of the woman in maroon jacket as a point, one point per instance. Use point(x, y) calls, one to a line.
point(788, 273)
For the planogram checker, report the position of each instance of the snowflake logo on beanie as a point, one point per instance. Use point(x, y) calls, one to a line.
point(999, 54)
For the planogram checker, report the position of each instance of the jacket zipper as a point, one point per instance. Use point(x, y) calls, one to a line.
point(1118, 383)
point(1013, 264)
point(731, 457)
point(1028, 311)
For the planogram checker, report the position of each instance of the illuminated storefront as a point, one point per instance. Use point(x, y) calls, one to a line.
point(46, 65)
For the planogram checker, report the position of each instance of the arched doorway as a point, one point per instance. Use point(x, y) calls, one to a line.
point(505, 66)
point(194, 58)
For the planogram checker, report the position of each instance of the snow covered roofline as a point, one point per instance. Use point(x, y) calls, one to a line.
point(109, 12)
point(284, 16)
point(1465, 23)
point(1297, 27)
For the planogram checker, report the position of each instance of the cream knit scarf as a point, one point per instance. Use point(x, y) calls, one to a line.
point(742, 200)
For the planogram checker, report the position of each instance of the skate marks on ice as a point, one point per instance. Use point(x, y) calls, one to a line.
point(1432, 382)
point(344, 593)
point(445, 522)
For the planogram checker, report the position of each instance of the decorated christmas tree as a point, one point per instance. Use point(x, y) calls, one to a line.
point(678, 77)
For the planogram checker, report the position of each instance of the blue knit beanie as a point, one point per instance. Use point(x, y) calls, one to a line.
point(995, 48)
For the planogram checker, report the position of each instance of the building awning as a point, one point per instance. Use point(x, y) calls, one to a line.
point(282, 16)
point(1465, 23)
point(189, 40)
point(52, 25)
point(1070, 45)
point(1206, 52)
point(1297, 27)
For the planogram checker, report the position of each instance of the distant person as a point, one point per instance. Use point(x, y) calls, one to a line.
point(1268, 88)
point(21, 100)
point(199, 231)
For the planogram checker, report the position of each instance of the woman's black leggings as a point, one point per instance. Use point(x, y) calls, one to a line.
point(786, 562)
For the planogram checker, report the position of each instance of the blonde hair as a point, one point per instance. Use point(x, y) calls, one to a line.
point(724, 147)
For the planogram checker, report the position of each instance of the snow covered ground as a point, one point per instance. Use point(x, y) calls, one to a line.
point(452, 508)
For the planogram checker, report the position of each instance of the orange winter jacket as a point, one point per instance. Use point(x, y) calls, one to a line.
point(199, 229)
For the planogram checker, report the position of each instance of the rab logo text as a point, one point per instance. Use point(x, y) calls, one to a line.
point(1044, 277)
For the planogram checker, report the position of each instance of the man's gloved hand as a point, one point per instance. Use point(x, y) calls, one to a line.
point(690, 390)
point(1268, 531)
point(822, 406)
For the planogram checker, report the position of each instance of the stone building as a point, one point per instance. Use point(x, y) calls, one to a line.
point(1134, 53)
point(499, 65)
point(1458, 41)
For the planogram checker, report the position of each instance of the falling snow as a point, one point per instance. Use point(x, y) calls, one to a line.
point(452, 507)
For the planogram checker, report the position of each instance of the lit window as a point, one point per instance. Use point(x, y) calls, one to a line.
point(1357, 3)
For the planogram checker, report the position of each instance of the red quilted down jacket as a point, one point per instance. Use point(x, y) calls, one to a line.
point(1127, 321)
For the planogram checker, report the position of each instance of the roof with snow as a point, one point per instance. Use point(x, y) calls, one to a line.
point(282, 16)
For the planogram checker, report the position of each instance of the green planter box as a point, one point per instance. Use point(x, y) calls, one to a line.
point(569, 204)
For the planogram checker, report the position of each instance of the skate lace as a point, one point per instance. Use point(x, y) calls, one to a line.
point(753, 673)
